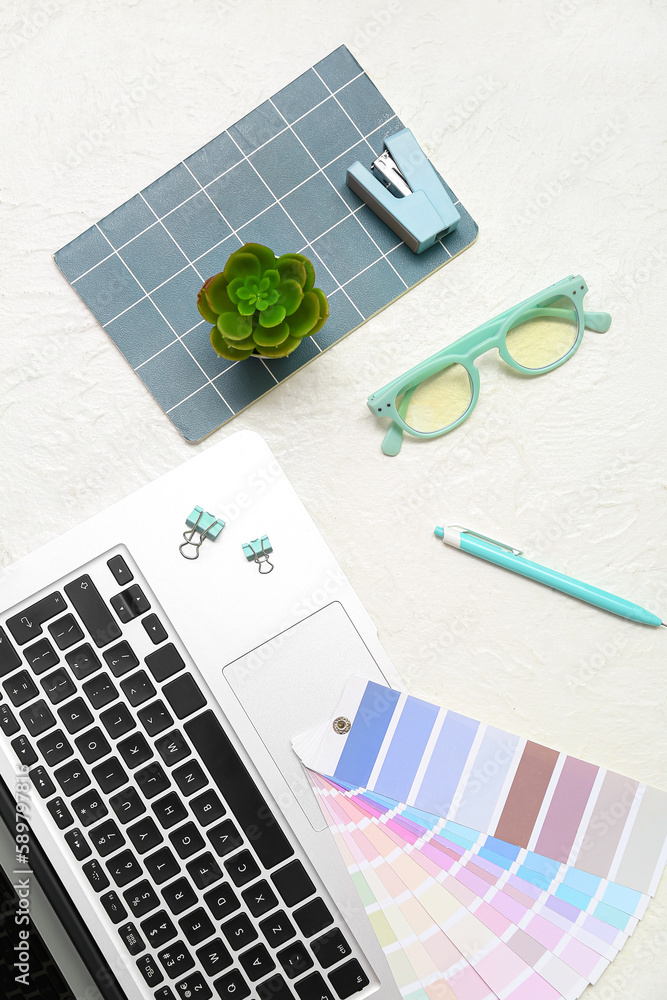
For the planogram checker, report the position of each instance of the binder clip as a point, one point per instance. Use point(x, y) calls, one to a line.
point(202, 524)
point(258, 551)
point(405, 191)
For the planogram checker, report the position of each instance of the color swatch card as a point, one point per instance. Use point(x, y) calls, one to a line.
point(489, 865)
point(277, 177)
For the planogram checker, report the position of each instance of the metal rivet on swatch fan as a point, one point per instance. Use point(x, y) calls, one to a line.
point(341, 725)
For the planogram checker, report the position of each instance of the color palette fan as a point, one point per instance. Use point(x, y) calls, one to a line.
point(489, 865)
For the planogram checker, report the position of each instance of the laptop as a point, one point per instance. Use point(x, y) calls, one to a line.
point(148, 786)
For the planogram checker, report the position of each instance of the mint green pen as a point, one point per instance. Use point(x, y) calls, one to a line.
point(511, 558)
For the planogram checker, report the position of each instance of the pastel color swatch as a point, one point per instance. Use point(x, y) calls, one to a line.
point(489, 865)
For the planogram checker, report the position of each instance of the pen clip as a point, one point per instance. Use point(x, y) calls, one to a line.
point(485, 538)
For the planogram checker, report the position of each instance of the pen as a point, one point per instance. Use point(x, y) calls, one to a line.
point(511, 558)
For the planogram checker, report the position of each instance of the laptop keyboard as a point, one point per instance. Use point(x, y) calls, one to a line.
point(195, 876)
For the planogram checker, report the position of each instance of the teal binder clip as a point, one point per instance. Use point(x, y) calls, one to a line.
point(202, 524)
point(258, 551)
point(406, 192)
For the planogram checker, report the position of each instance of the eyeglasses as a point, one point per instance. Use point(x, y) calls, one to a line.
point(533, 337)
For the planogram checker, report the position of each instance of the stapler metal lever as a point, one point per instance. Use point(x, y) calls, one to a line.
point(406, 192)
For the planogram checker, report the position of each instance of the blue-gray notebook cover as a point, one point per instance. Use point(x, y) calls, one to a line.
point(276, 177)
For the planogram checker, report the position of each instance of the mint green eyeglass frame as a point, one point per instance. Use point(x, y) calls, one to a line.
point(469, 347)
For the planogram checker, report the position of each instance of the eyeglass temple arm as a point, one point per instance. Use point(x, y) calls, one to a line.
point(393, 439)
point(597, 321)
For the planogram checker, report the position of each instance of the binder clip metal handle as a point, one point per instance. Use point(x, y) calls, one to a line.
point(258, 551)
point(203, 524)
point(406, 192)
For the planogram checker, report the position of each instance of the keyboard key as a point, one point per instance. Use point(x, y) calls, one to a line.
point(113, 906)
point(348, 979)
point(71, 777)
point(117, 721)
point(124, 868)
point(176, 959)
point(155, 718)
point(312, 917)
point(330, 948)
point(207, 807)
point(26, 625)
point(169, 810)
point(184, 695)
point(55, 747)
point(37, 718)
point(197, 926)
point(66, 631)
point(159, 929)
point(89, 807)
point(204, 871)
point(239, 931)
point(42, 782)
point(164, 662)
point(152, 780)
point(100, 691)
point(58, 685)
point(41, 656)
point(92, 610)
point(75, 715)
point(179, 895)
point(214, 957)
point(260, 898)
point(83, 661)
point(20, 688)
point(225, 838)
point(148, 968)
point(120, 658)
point(134, 750)
point(276, 988)
point(187, 840)
point(127, 805)
point(93, 745)
point(189, 777)
point(221, 901)
point(295, 959)
point(257, 963)
point(277, 929)
point(162, 865)
point(313, 987)
point(8, 722)
point(79, 846)
point(24, 751)
point(238, 788)
point(193, 986)
point(106, 838)
point(141, 899)
point(95, 873)
point(165, 993)
point(60, 813)
point(242, 868)
point(138, 688)
point(144, 835)
point(110, 775)
point(232, 986)
point(172, 748)
point(130, 603)
point(293, 883)
point(9, 658)
point(131, 938)
point(155, 630)
point(120, 570)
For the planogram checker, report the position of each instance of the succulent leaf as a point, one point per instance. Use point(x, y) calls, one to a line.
point(265, 256)
point(272, 315)
point(234, 326)
point(290, 295)
point(306, 316)
point(204, 308)
point(217, 294)
point(324, 311)
point(271, 337)
point(281, 350)
point(225, 350)
point(241, 265)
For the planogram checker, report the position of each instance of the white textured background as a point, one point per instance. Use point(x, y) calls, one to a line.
point(548, 120)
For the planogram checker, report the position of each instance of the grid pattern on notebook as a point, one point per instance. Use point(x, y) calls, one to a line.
point(278, 177)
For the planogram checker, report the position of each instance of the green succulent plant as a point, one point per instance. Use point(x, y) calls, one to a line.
point(262, 304)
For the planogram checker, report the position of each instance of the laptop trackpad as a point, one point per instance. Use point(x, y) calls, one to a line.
point(299, 676)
